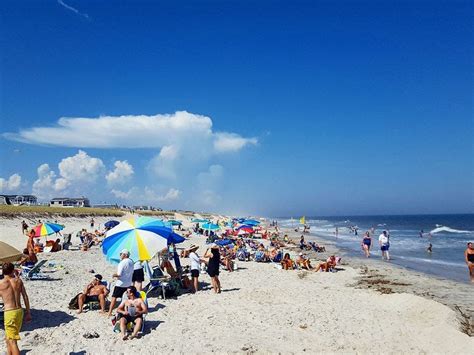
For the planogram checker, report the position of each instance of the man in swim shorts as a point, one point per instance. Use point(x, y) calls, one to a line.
point(95, 291)
point(11, 288)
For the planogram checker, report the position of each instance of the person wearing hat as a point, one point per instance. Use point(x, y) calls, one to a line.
point(124, 277)
point(195, 266)
point(213, 266)
point(95, 291)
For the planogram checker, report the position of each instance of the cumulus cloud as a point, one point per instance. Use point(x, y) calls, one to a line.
point(137, 131)
point(10, 184)
point(171, 195)
point(121, 174)
point(46, 185)
point(80, 167)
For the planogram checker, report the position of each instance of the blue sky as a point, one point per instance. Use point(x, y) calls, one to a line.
point(271, 107)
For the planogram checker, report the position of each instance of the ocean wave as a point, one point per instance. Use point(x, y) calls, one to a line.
point(440, 228)
point(430, 261)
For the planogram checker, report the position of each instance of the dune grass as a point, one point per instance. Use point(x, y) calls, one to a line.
point(46, 211)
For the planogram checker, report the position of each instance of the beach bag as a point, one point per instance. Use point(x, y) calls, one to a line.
point(74, 302)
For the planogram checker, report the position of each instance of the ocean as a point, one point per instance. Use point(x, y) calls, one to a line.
point(448, 235)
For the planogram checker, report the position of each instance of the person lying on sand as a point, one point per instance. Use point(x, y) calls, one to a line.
point(95, 291)
point(131, 310)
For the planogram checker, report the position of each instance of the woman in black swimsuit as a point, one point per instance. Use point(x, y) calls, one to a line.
point(366, 243)
point(213, 266)
point(469, 257)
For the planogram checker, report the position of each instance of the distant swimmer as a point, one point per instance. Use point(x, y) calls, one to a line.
point(421, 233)
point(430, 248)
point(337, 232)
point(469, 257)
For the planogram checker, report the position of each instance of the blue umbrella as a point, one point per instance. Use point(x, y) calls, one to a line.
point(175, 222)
point(210, 226)
point(197, 220)
point(251, 222)
point(111, 224)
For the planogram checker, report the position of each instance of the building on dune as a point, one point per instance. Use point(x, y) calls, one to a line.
point(18, 200)
point(69, 202)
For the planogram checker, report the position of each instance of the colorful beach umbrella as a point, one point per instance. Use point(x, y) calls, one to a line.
point(246, 229)
point(44, 229)
point(174, 222)
point(8, 253)
point(143, 237)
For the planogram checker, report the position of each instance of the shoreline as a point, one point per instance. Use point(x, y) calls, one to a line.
point(386, 277)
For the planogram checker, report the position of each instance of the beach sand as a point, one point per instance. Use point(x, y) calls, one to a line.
point(261, 309)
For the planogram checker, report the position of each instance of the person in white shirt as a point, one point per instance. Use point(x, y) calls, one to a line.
point(384, 243)
point(195, 266)
point(124, 278)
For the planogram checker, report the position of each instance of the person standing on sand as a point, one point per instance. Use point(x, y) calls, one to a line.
point(213, 266)
point(11, 288)
point(366, 243)
point(384, 243)
point(92, 223)
point(124, 277)
point(469, 257)
point(195, 266)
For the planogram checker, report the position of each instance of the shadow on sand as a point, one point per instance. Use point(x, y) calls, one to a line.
point(46, 319)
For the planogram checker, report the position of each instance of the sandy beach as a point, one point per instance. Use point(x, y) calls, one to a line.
point(366, 307)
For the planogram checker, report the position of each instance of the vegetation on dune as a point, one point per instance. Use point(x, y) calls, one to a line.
point(46, 211)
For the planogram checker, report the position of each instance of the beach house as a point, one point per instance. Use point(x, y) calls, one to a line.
point(18, 200)
point(69, 202)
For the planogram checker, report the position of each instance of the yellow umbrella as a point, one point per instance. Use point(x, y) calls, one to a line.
point(9, 253)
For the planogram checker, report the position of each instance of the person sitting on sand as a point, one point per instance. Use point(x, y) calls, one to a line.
point(227, 259)
point(286, 262)
point(28, 258)
point(131, 311)
point(95, 291)
point(56, 245)
point(328, 265)
point(303, 262)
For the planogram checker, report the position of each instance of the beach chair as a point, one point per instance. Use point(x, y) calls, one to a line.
point(130, 325)
point(34, 272)
point(158, 280)
point(67, 241)
point(94, 305)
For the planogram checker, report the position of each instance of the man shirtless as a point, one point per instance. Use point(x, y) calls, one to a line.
point(94, 291)
point(131, 310)
point(11, 287)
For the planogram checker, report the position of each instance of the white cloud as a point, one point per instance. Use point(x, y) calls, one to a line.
point(10, 184)
point(70, 8)
point(231, 142)
point(171, 195)
point(81, 168)
point(45, 186)
point(121, 174)
point(124, 195)
point(168, 131)
point(212, 177)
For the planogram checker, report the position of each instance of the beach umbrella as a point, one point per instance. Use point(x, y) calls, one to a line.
point(198, 220)
point(143, 237)
point(8, 253)
point(111, 224)
point(44, 229)
point(245, 229)
point(175, 222)
point(210, 226)
point(251, 222)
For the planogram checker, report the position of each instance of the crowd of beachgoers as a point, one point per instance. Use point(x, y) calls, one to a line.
point(124, 297)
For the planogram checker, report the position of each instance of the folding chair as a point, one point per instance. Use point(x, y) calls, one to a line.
point(34, 272)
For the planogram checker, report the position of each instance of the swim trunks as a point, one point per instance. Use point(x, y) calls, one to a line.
point(13, 322)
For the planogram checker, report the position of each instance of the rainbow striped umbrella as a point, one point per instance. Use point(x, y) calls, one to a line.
point(143, 237)
point(44, 229)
